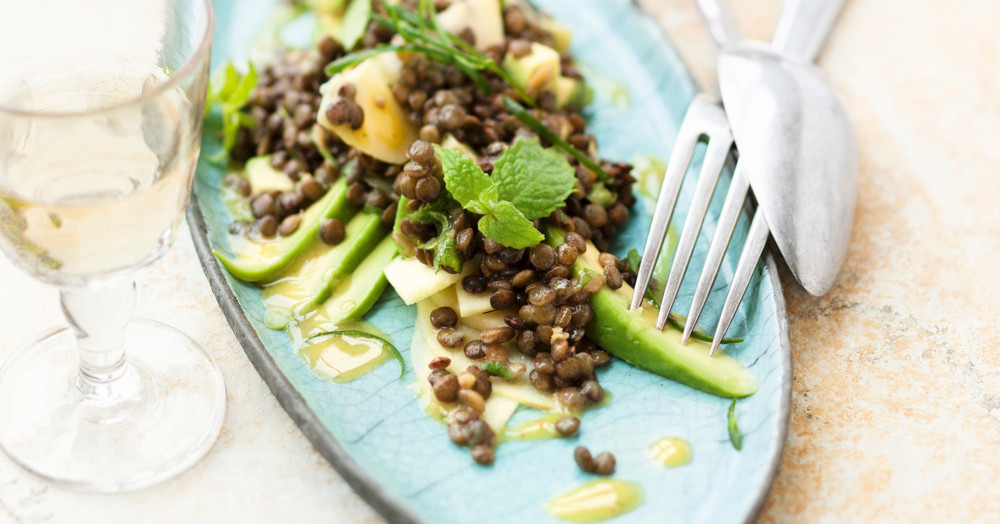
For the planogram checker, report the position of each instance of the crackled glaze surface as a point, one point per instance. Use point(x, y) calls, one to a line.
point(894, 407)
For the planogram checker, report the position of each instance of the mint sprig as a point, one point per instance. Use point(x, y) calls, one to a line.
point(536, 180)
point(466, 182)
point(537, 126)
point(508, 226)
point(422, 34)
point(229, 91)
point(528, 182)
point(444, 246)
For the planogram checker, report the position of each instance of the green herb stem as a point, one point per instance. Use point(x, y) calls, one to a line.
point(522, 114)
point(445, 48)
point(349, 61)
point(735, 436)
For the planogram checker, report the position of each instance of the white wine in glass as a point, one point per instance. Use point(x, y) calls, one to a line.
point(101, 112)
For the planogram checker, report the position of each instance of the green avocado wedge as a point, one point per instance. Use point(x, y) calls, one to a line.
point(358, 292)
point(256, 261)
point(632, 336)
point(362, 234)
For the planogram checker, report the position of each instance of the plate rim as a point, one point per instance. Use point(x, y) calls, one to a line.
point(379, 498)
point(387, 505)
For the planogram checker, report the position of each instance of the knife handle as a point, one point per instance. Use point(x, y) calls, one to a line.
point(720, 20)
point(804, 26)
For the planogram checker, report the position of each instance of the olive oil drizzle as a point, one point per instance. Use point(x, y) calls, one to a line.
point(595, 501)
point(344, 355)
point(671, 452)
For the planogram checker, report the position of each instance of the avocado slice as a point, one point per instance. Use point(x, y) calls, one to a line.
point(356, 293)
point(362, 234)
point(541, 69)
point(255, 261)
point(571, 92)
point(633, 337)
point(536, 70)
point(386, 132)
point(263, 178)
point(561, 35)
point(483, 17)
point(414, 281)
point(450, 142)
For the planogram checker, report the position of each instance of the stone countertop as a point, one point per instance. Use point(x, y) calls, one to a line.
point(896, 394)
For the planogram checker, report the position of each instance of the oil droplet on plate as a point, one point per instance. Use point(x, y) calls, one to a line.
point(343, 358)
point(538, 429)
point(671, 452)
point(596, 501)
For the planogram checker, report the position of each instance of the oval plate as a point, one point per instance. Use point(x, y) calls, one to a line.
point(375, 434)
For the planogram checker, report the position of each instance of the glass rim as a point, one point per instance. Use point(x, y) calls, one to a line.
point(185, 71)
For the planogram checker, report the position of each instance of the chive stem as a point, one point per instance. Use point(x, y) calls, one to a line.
point(537, 126)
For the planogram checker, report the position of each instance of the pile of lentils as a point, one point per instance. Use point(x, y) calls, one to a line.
point(548, 307)
point(283, 106)
point(548, 314)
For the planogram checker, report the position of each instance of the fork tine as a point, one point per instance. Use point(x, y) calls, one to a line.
point(754, 246)
point(715, 158)
point(730, 214)
point(687, 138)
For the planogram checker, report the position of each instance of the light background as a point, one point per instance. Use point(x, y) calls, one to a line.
point(896, 398)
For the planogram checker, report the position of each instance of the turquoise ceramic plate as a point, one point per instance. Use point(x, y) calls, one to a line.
point(374, 433)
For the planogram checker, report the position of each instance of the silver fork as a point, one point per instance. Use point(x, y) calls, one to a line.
point(706, 119)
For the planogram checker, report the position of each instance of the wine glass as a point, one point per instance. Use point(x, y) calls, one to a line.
point(101, 106)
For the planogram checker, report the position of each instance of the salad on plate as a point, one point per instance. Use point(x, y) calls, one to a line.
point(441, 148)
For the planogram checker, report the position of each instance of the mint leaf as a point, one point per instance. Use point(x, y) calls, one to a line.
point(445, 250)
point(487, 200)
point(508, 226)
point(537, 126)
point(438, 213)
point(355, 22)
point(444, 246)
point(220, 86)
point(229, 91)
point(466, 181)
point(536, 180)
point(241, 95)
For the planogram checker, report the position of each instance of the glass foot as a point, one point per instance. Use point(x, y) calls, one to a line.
point(157, 420)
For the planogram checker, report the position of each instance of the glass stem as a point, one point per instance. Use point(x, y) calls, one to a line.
point(98, 313)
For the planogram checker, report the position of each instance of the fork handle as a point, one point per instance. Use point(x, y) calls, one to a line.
point(720, 20)
point(804, 26)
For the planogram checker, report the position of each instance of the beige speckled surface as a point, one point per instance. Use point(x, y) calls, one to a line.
point(262, 469)
point(896, 395)
point(896, 399)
